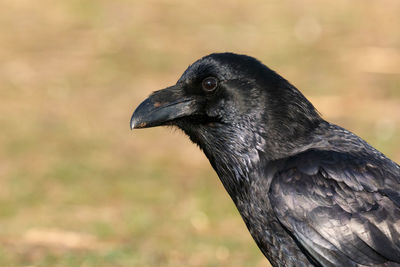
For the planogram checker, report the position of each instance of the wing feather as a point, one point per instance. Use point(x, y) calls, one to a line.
point(344, 210)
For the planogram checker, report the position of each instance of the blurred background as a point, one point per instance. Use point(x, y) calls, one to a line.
point(78, 188)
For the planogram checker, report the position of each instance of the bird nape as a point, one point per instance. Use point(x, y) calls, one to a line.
point(311, 193)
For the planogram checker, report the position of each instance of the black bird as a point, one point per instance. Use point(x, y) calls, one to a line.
point(310, 192)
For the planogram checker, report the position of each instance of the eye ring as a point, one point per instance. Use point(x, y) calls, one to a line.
point(209, 84)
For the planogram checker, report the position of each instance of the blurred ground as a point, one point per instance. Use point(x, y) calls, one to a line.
point(78, 188)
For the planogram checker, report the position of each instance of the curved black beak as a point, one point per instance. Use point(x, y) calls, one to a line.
point(162, 107)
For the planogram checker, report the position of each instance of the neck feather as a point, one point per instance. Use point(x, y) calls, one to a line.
point(238, 153)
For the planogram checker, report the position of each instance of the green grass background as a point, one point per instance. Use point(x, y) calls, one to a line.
point(78, 188)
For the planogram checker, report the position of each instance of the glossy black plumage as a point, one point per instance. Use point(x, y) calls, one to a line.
point(311, 193)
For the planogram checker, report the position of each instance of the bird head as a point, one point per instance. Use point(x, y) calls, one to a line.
point(229, 98)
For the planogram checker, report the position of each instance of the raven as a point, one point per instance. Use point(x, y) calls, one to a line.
point(310, 192)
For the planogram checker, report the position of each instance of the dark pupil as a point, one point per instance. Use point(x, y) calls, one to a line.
point(210, 84)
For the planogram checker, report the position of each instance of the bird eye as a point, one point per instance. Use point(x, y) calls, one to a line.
point(209, 84)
